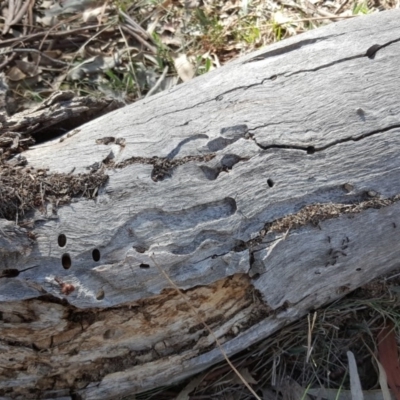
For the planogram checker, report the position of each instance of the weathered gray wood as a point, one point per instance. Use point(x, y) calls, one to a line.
point(307, 129)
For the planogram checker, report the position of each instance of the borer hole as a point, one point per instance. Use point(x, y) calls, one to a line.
point(100, 294)
point(144, 266)
point(96, 255)
point(62, 240)
point(9, 273)
point(66, 261)
point(310, 150)
point(270, 182)
point(372, 51)
point(358, 269)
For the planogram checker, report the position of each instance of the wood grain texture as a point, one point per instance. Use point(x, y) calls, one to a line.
point(199, 176)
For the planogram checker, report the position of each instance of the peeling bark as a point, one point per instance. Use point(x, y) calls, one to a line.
point(264, 190)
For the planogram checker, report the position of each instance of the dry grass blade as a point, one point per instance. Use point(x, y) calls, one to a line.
point(311, 326)
point(201, 320)
point(192, 385)
point(355, 384)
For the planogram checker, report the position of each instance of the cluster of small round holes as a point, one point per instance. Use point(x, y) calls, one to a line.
point(270, 182)
point(66, 261)
point(96, 255)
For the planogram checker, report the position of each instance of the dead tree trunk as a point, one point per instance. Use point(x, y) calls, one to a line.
point(264, 189)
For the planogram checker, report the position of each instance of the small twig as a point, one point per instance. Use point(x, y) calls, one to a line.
point(51, 29)
point(158, 83)
point(130, 30)
point(48, 32)
point(83, 46)
point(339, 10)
point(10, 15)
point(14, 50)
point(201, 320)
point(135, 26)
point(19, 15)
point(103, 11)
point(39, 35)
point(8, 60)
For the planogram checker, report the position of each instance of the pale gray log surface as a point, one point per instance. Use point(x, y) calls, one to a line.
point(311, 121)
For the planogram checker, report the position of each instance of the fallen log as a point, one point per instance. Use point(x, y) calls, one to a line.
point(263, 190)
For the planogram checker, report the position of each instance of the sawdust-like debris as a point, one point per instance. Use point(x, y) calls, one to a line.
point(314, 214)
point(24, 188)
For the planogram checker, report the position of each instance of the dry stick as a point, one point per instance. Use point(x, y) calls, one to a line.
point(49, 31)
point(29, 22)
point(5, 51)
point(106, 26)
point(21, 12)
point(9, 18)
point(55, 27)
point(201, 320)
point(137, 31)
point(7, 60)
point(158, 83)
point(103, 11)
point(130, 30)
point(135, 26)
point(39, 35)
point(339, 10)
